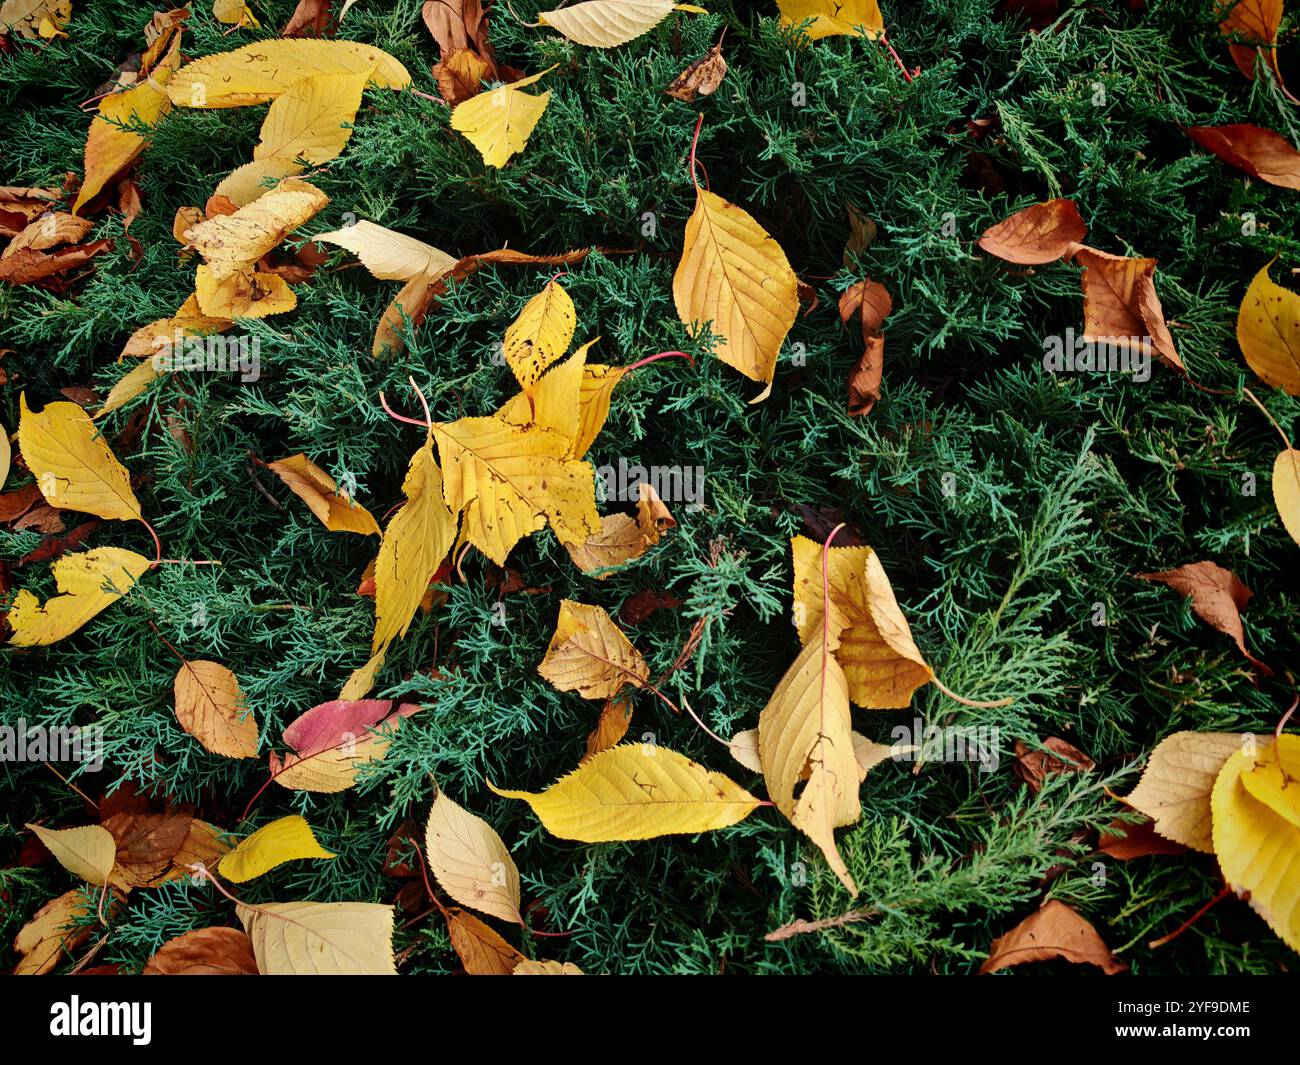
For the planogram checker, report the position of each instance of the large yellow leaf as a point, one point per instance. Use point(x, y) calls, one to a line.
point(73, 466)
point(1268, 330)
point(284, 840)
point(88, 852)
point(1175, 787)
point(109, 146)
point(49, 935)
point(499, 122)
point(868, 632)
point(310, 121)
point(413, 547)
point(806, 724)
point(232, 243)
point(607, 23)
point(541, 333)
point(590, 655)
point(855, 18)
point(622, 537)
point(735, 276)
point(261, 71)
point(387, 254)
point(212, 709)
point(321, 938)
point(637, 791)
point(470, 860)
point(89, 581)
point(1286, 490)
point(319, 491)
point(511, 480)
point(246, 293)
point(1257, 832)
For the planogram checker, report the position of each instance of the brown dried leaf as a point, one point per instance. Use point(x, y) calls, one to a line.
point(1217, 596)
point(1055, 931)
point(1038, 234)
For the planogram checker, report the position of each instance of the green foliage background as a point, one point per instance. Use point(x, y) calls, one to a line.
point(1064, 486)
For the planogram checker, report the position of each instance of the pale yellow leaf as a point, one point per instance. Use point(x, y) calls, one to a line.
point(470, 860)
point(35, 18)
point(1286, 490)
point(387, 254)
point(589, 654)
point(129, 386)
point(89, 581)
point(855, 18)
point(321, 938)
point(212, 709)
point(286, 839)
point(88, 852)
point(233, 243)
point(49, 936)
point(637, 791)
point(623, 538)
point(607, 23)
point(234, 13)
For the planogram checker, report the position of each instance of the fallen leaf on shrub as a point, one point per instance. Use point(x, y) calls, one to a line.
point(622, 537)
point(212, 709)
point(1286, 490)
point(320, 938)
point(1252, 26)
point(611, 727)
point(529, 967)
point(319, 491)
point(480, 948)
point(247, 293)
point(1256, 806)
point(856, 18)
point(28, 266)
point(734, 275)
point(644, 603)
point(1259, 152)
point(1268, 331)
point(701, 78)
point(607, 23)
point(148, 842)
point(331, 742)
point(234, 13)
point(1055, 931)
point(1217, 596)
point(88, 582)
point(48, 231)
point(1034, 766)
point(232, 244)
point(257, 73)
point(1120, 305)
point(869, 302)
point(310, 18)
point(171, 333)
point(1125, 841)
point(88, 852)
point(204, 952)
point(541, 334)
point(590, 655)
point(470, 861)
point(286, 839)
point(1039, 234)
point(498, 123)
point(1175, 787)
point(49, 937)
point(460, 74)
point(637, 791)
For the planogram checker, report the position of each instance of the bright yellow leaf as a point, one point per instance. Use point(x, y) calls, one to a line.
point(1268, 331)
point(319, 491)
point(286, 839)
point(589, 654)
point(247, 293)
point(855, 18)
point(89, 582)
point(233, 243)
point(622, 537)
point(541, 334)
point(1286, 490)
point(498, 123)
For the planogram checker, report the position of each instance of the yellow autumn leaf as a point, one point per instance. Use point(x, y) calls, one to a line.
point(362, 679)
point(1175, 788)
point(169, 333)
point(607, 23)
point(130, 385)
point(589, 654)
point(867, 631)
point(413, 546)
point(88, 852)
point(470, 860)
point(572, 399)
point(6, 454)
point(387, 254)
point(44, 940)
point(234, 13)
point(598, 384)
point(734, 275)
point(622, 537)
point(511, 480)
point(286, 839)
point(259, 72)
point(232, 243)
point(637, 791)
point(1257, 832)
point(855, 18)
point(529, 967)
point(247, 293)
point(320, 938)
point(807, 723)
point(110, 145)
point(212, 709)
point(1286, 490)
point(310, 121)
point(541, 334)
point(36, 18)
point(867, 753)
point(89, 581)
point(319, 491)
point(1268, 331)
point(498, 123)
point(73, 466)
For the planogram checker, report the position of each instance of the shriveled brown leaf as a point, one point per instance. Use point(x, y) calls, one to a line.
point(1217, 596)
point(1055, 931)
point(147, 844)
point(701, 78)
point(309, 19)
point(1120, 304)
point(460, 75)
point(867, 302)
point(1124, 841)
point(1034, 766)
point(29, 266)
point(205, 952)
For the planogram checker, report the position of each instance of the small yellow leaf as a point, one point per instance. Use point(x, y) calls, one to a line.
point(607, 23)
point(88, 852)
point(590, 655)
point(73, 466)
point(637, 791)
point(541, 334)
point(1175, 787)
point(234, 13)
point(413, 547)
point(49, 935)
point(89, 582)
point(1286, 490)
point(212, 709)
point(598, 384)
point(498, 123)
point(261, 71)
point(129, 386)
point(6, 454)
point(470, 860)
point(1268, 331)
point(233, 243)
point(319, 491)
point(284, 840)
point(1257, 834)
point(734, 275)
point(320, 938)
point(248, 293)
point(854, 18)
point(387, 254)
